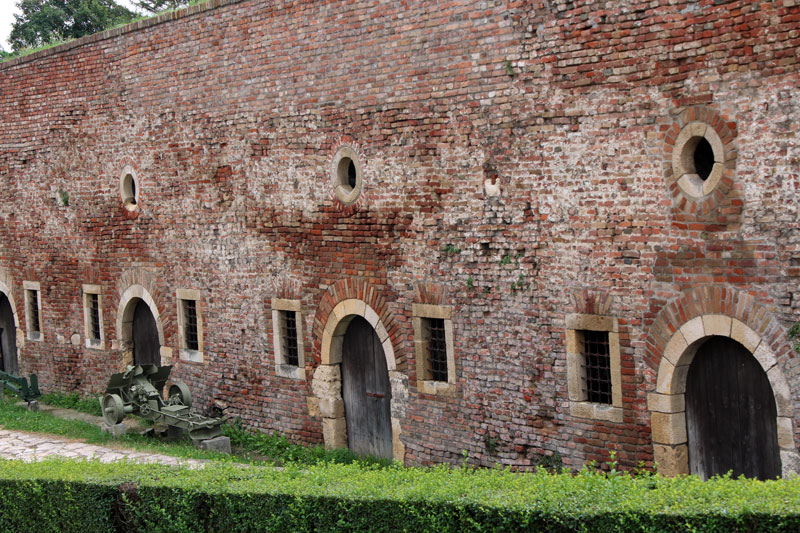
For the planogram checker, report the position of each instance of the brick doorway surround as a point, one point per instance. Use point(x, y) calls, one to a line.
point(680, 329)
point(332, 321)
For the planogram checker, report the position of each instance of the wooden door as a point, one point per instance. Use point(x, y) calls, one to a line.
point(366, 391)
point(146, 348)
point(730, 413)
point(8, 338)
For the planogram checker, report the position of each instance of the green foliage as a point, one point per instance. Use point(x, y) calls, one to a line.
point(63, 197)
point(89, 405)
point(490, 443)
point(452, 249)
point(470, 282)
point(510, 68)
point(794, 336)
point(154, 6)
point(46, 21)
point(506, 260)
point(91, 496)
point(277, 448)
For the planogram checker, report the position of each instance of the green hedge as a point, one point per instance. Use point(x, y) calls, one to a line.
point(89, 496)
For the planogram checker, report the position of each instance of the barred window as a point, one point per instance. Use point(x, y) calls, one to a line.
point(437, 349)
point(598, 366)
point(94, 316)
point(594, 371)
point(433, 342)
point(289, 337)
point(190, 325)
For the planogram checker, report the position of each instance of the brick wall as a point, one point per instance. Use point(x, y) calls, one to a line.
point(515, 164)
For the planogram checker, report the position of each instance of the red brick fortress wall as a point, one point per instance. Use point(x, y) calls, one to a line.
point(517, 166)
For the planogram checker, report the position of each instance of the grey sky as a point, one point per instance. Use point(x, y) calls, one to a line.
point(7, 10)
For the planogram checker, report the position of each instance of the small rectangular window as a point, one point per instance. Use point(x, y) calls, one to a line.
point(190, 324)
point(437, 349)
point(289, 337)
point(433, 344)
point(598, 366)
point(32, 305)
point(94, 316)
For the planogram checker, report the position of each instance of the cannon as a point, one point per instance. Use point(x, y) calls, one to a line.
point(19, 386)
point(139, 391)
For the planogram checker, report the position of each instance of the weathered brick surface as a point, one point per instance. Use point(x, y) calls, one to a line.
point(533, 137)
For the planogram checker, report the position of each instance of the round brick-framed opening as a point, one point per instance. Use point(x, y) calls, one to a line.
point(667, 405)
point(691, 145)
point(125, 311)
point(326, 382)
point(129, 188)
point(347, 175)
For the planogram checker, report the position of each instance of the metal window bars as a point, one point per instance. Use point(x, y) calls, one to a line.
point(437, 350)
point(598, 366)
point(94, 316)
point(190, 324)
point(289, 338)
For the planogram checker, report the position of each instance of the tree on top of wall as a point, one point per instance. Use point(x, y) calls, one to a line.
point(154, 6)
point(43, 22)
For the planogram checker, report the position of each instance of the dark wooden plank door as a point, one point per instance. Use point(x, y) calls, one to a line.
point(730, 413)
point(366, 391)
point(146, 349)
point(8, 338)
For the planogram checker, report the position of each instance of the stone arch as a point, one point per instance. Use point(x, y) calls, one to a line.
point(124, 326)
point(734, 315)
point(326, 382)
point(18, 338)
point(6, 290)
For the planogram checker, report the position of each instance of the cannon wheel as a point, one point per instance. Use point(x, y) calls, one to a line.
point(180, 390)
point(113, 409)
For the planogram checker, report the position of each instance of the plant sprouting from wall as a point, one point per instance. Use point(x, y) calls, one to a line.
point(794, 336)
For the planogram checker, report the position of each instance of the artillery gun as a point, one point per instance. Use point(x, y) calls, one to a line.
point(19, 386)
point(139, 391)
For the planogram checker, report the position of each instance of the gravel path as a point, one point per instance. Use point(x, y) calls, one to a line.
point(35, 447)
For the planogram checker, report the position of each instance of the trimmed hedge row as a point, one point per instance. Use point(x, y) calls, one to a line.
point(62, 495)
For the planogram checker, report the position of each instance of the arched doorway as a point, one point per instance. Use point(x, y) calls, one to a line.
point(366, 391)
point(8, 337)
point(730, 413)
point(146, 346)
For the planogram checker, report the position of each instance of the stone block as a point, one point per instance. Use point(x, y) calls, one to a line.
point(741, 333)
point(785, 433)
point(675, 348)
point(579, 321)
point(327, 382)
point(717, 325)
point(398, 448)
point(334, 432)
point(668, 428)
point(790, 464)
point(117, 430)
point(671, 460)
point(783, 397)
point(765, 357)
point(313, 406)
point(331, 408)
point(693, 330)
point(221, 444)
point(666, 403)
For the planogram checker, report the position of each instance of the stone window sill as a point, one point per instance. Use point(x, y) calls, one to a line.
point(291, 372)
point(192, 356)
point(440, 388)
point(596, 411)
